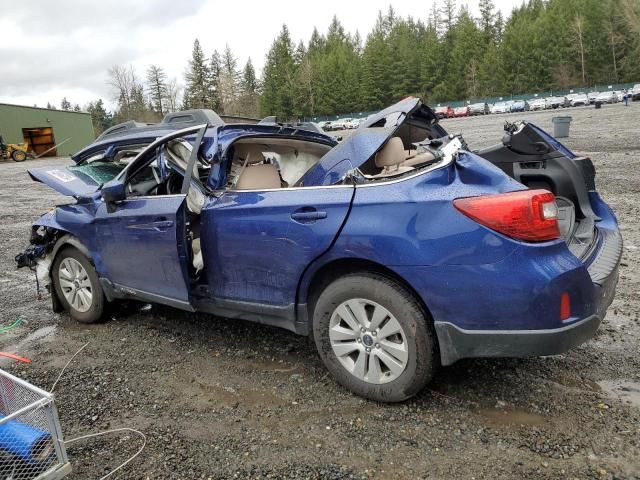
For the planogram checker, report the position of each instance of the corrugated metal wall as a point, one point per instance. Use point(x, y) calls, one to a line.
point(75, 126)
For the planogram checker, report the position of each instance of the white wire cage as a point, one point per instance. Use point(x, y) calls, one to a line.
point(31, 443)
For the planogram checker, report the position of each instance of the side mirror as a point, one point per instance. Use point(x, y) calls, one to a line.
point(113, 192)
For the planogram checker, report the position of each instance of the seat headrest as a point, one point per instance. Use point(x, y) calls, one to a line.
point(391, 154)
point(258, 177)
point(251, 153)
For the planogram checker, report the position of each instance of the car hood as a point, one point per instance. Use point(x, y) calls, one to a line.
point(64, 181)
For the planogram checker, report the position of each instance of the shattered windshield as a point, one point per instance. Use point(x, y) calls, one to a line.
point(98, 172)
point(101, 167)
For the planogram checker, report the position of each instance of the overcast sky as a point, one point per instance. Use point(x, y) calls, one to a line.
point(63, 48)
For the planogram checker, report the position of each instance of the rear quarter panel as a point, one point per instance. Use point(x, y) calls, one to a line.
point(465, 273)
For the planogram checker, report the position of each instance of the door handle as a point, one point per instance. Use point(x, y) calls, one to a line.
point(308, 214)
point(160, 224)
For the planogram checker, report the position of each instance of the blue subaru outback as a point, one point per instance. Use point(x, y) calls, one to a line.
point(397, 249)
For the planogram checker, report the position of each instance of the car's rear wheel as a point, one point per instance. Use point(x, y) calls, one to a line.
point(374, 337)
point(77, 286)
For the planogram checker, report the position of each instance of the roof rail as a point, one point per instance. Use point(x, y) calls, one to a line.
point(171, 121)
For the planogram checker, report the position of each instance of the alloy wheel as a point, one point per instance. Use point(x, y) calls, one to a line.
point(368, 341)
point(75, 284)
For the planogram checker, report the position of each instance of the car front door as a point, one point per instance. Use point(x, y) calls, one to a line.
point(142, 237)
point(257, 244)
point(142, 245)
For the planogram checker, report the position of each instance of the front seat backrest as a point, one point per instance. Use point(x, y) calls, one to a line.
point(391, 154)
point(258, 177)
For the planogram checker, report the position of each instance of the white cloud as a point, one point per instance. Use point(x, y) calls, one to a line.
point(64, 48)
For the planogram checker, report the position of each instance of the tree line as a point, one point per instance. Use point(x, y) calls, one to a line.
point(543, 45)
point(450, 55)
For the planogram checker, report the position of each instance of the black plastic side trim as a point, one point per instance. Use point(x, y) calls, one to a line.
point(274, 315)
point(113, 291)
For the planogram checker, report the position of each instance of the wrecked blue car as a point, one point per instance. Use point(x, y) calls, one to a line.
point(397, 249)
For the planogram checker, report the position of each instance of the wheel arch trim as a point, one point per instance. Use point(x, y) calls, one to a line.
point(321, 274)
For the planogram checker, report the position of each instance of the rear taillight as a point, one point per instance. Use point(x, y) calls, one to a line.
point(530, 215)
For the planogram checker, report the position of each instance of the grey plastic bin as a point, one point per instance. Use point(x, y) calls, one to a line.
point(561, 126)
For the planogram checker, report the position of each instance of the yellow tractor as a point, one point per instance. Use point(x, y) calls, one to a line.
point(15, 151)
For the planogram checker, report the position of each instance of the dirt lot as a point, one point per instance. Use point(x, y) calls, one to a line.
point(218, 398)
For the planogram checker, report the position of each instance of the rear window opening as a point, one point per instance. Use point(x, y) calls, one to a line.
point(281, 162)
point(414, 145)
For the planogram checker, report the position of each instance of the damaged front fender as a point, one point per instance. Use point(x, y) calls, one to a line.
point(47, 237)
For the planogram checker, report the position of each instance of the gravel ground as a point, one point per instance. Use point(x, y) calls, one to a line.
point(218, 398)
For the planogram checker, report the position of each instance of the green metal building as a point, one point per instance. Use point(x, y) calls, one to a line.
point(59, 132)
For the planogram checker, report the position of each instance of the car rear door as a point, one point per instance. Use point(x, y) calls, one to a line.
point(257, 244)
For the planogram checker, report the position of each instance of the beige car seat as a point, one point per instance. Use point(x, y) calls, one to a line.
point(256, 175)
point(391, 159)
point(415, 160)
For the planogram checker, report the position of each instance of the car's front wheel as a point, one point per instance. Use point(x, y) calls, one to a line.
point(77, 286)
point(374, 337)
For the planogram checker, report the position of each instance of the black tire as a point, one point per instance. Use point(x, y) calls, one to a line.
point(423, 359)
point(94, 313)
point(18, 156)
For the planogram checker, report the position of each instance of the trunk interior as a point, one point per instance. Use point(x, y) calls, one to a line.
point(537, 160)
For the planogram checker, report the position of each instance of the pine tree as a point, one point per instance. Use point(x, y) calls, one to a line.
point(213, 80)
point(249, 94)
point(278, 78)
point(100, 117)
point(65, 104)
point(249, 80)
point(229, 83)
point(197, 78)
point(486, 20)
point(157, 87)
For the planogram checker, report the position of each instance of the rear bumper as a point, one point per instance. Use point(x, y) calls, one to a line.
point(456, 343)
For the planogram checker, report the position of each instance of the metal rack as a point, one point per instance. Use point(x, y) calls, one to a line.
point(31, 444)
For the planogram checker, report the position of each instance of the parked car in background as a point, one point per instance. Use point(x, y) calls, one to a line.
point(519, 106)
point(619, 94)
point(413, 253)
point(537, 104)
point(351, 123)
point(501, 107)
point(461, 111)
point(326, 126)
point(606, 97)
point(579, 99)
point(635, 92)
point(481, 108)
point(592, 97)
point(441, 111)
point(566, 100)
point(554, 102)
